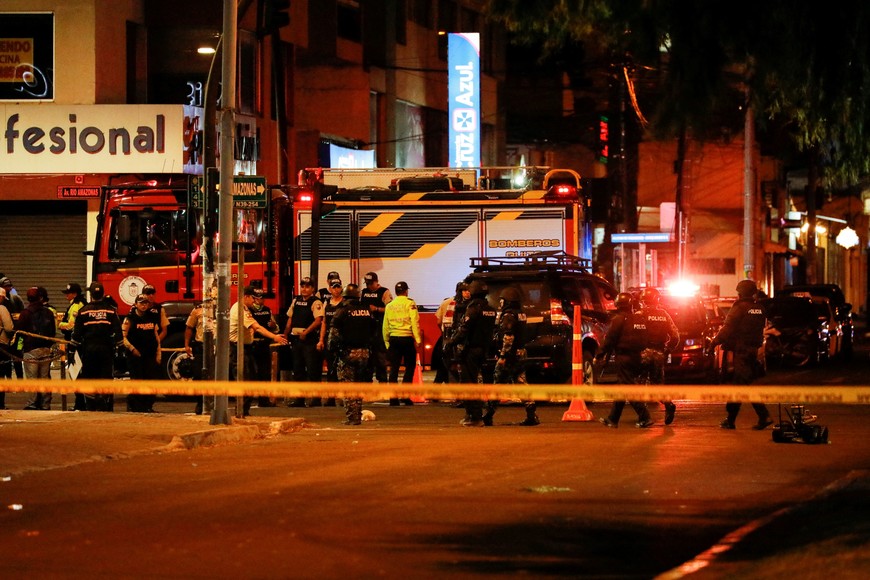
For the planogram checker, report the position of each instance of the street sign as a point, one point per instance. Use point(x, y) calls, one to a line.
point(77, 191)
point(196, 191)
point(645, 238)
point(249, 192)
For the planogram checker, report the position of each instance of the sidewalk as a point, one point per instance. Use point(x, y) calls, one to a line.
point(39, 440)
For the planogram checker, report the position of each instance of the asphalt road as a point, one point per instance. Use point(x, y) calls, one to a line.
point(414, 495)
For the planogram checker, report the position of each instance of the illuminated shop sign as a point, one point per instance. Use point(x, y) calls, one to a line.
point(26, 57)
point(463, 63)
point(38, 139)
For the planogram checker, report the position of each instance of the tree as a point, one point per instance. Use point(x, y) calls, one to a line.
point(806, 67)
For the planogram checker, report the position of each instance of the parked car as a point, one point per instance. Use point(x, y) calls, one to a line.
point(717, 308)
point(842, 309)
point(551, 284)
point(801, 331)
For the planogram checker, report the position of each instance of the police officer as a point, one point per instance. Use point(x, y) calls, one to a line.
point(304, 318)
point(194, 333)
point(743, 333)
point(401, 330)
point(141, 329)
point(510, 363)
point(261, 350)
point(472, 342)
point(375, 297)
point(246, 333)
point(446, 315)
point(76, 299)
point(330, 307)
point(97, 331)
point(625, 340)
point(351, 336)
point(450, 349)
point(661, 335)
point(156, 307)
point(324, 293)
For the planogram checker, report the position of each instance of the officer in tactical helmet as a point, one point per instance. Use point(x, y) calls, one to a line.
point(510, 364)
point(625, 340)
point(449, 311)
point(471, 343)
point(743, 333)
point(351, 337)
point(661, 336)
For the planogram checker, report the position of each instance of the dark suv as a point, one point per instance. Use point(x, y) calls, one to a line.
point(551, 284)
point(842, 309)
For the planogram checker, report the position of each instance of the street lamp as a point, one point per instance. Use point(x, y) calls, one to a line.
point(847, 238)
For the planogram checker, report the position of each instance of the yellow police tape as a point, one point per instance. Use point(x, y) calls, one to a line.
point(853, 395)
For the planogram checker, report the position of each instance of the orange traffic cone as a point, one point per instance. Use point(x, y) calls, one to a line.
point(577, 410)
point(418, 380)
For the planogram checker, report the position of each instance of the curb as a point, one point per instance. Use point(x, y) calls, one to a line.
point(712, 560)
point(239, 432)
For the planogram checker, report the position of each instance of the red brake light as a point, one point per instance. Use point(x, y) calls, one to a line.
point(557, 314)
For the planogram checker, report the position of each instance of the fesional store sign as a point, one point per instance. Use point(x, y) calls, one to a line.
point(40, 139)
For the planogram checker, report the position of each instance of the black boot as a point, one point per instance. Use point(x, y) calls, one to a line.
point(473, 416)
point(491, 406)
point(531, 417)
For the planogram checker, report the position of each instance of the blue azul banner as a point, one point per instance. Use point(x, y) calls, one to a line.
point(463, 64)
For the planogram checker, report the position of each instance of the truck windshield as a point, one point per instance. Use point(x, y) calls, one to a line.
point(148, 232)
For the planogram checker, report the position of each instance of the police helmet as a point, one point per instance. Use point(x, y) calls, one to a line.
point(351, 291)
point(650, 297)
point(746, 288)
point(623, 301)
point(478, 288)
point(511, 295)
point(461, 286)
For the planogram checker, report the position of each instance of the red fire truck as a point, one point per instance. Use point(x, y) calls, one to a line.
point(420, 226)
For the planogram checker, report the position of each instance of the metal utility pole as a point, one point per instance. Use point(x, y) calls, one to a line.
point(748, 194)
point(220, 415)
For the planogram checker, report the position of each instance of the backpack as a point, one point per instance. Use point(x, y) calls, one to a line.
point(42, 322)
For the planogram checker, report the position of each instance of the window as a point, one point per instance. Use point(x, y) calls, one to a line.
point(349, 21)
point(401, 21)
point(420, 12)
point(250, 101)
point(150, 236)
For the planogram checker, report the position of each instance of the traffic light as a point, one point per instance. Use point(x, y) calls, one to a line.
point(277, 15)
point(603, 148)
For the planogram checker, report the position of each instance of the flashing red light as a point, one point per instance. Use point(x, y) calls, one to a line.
point(561, 192)
point(305, 198)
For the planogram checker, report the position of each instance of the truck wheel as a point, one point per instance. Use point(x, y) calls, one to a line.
point(172, 360)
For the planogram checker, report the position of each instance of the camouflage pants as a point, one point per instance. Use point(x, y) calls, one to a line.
point(354, 365)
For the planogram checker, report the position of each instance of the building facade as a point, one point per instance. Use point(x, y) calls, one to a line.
point(130, 95)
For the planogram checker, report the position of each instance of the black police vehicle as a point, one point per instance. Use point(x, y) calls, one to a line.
point(551, 284)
